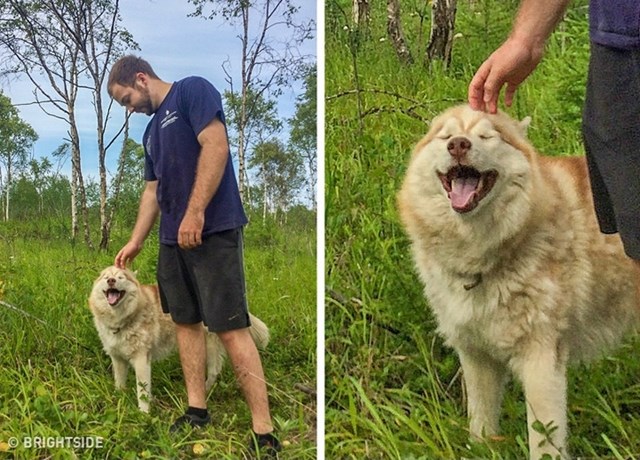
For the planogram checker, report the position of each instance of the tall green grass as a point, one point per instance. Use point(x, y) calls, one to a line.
point(393, 390)
point(55, 380)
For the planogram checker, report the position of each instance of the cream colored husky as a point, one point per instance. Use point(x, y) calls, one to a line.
point(134, 330)
point(514, 265)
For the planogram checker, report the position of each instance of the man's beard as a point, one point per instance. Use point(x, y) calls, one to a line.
point(145, 105)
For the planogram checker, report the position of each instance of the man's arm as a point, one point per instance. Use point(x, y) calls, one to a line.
point(518, 56)
point(211, 166)
point(147, 215)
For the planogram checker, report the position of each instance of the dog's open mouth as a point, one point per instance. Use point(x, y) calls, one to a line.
point(114, 296)
point(466, 186)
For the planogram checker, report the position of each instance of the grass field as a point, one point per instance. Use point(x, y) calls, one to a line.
point(393, 390)
point(55, 380)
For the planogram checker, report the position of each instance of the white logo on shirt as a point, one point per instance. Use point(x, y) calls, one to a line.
point(169, 118)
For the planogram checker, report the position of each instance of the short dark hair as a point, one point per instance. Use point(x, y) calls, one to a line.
point(124, 71)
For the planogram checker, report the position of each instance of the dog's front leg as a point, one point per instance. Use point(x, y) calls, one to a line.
point(215, 359)
point(120, 370)
point(543, 375)
point(484, 380)
point(142, 366)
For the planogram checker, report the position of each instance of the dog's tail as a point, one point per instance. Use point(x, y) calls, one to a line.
point(259, 331)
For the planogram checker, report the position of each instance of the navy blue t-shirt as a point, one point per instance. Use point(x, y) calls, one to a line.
point(171, 157)
point(615, 23)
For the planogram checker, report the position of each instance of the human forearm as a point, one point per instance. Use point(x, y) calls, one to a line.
point(147, 214)
point(536, 20)
point(518, 56)
point(210, 170)
point(211, 167)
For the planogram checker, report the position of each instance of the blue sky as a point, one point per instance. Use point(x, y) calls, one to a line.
point(176, 46)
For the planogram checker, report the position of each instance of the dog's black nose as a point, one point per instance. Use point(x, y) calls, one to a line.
point(111, 282)
point(458, 147)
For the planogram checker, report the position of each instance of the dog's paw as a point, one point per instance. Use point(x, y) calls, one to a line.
point(143, 406)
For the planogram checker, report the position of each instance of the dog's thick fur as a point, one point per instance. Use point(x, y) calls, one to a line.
point(134, 330)
point(514, 265)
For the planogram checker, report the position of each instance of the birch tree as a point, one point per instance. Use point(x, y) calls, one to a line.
point(279, 177)
point(70, 43)
point(38, 48)
point(93, 25)
point(361, 13)
point(270, 35)
point(396, 35)
point(100, 41)
point(261, 125)
point(443, 18)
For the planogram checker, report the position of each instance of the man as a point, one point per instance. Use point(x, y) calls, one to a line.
point(610, 121)
point(191, 184)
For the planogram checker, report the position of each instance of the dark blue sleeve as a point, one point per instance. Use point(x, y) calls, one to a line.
point(200, 103)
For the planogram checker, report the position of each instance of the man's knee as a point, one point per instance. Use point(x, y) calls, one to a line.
point(234, 337)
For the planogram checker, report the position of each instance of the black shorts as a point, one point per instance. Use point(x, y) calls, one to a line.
point(611, 129)
point(205, 284)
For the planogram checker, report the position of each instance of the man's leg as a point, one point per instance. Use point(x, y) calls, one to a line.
point(193, 356)
point(245, 358)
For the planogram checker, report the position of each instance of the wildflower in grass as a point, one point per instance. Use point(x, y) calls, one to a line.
point(198, 449)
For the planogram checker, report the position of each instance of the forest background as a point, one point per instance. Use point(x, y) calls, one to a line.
point(392, 389)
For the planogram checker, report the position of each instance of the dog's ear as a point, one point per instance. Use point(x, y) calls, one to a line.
point(524, 125)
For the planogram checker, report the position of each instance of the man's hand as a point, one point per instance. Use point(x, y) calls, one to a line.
point(190, 231)
point(510, 64)
point(127, 254)
point(147, 213)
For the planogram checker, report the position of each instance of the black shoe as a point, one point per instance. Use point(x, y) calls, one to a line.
point(190, 420)
point(264, 446)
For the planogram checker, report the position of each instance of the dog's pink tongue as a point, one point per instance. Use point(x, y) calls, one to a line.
point(462, 190)
point(113, 297)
